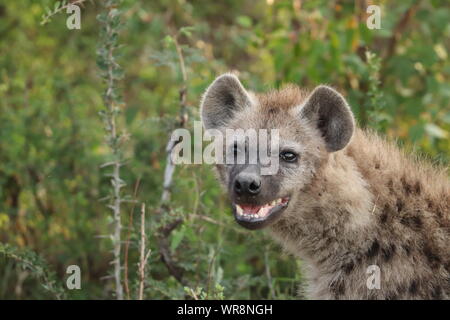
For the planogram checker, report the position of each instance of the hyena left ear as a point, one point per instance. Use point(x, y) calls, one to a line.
point(222, 99)
point(328, 110)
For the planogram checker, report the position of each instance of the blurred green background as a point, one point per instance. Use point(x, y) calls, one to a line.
point(52, 139)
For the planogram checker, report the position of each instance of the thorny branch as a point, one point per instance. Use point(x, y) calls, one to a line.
point(111, 73)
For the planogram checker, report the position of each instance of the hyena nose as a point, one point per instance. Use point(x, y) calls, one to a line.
point(247, 184)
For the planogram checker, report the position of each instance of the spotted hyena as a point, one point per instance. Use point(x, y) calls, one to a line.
point(343, 199)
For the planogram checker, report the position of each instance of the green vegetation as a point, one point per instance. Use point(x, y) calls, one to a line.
point(54, 193)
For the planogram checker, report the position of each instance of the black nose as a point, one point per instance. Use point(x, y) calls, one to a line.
point(247, 184)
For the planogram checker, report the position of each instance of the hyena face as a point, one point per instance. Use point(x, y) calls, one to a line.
point(308, 127)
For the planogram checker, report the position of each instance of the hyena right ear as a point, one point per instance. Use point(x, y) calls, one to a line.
point(222, 99)
point(331, 114)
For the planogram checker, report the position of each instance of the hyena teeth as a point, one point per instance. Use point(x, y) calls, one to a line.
point(262, 213)
point(239, 210)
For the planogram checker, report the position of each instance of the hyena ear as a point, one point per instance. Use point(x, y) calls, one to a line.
point(222, 99)
point(328, 110)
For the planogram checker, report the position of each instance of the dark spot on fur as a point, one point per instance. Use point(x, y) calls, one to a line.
point(373, 250)
point(383, 217)
point(417, 187)
point(429, 203)
point(431, 256)
point(388, 252)
point(384, 214)
point(413, 287)
point(436, 293)
point(447, 267)
point(377, 165)
point(406, 186)
point(348, 268)
point(414, 222)
point(399, 205)
point(273, 111)
point(390, 185)
point(322, 260)
point(407, 249)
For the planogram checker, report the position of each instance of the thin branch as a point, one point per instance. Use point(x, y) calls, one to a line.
point(143, 257)
point(110, 68)
point(127, 244)
point(170, 166)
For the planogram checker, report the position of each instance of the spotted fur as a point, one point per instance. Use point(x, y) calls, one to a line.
point(360, 202)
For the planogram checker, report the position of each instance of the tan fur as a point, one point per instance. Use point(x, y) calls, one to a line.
point(366, 204)
point(370, 193)
point(286, 98)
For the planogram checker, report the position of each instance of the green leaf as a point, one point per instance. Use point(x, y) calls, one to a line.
point(177, 238)
point(187, 31)
point(244, 21)
point(168, 40)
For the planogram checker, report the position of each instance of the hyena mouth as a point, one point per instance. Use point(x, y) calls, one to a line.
point(257, 217)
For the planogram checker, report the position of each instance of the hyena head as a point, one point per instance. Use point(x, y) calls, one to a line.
point(309, 127)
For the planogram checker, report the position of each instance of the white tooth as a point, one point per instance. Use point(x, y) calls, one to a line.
point(279, 200)
point(274, 202)
point(239, 209)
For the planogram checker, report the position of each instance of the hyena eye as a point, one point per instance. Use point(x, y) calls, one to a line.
point(288, 156)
